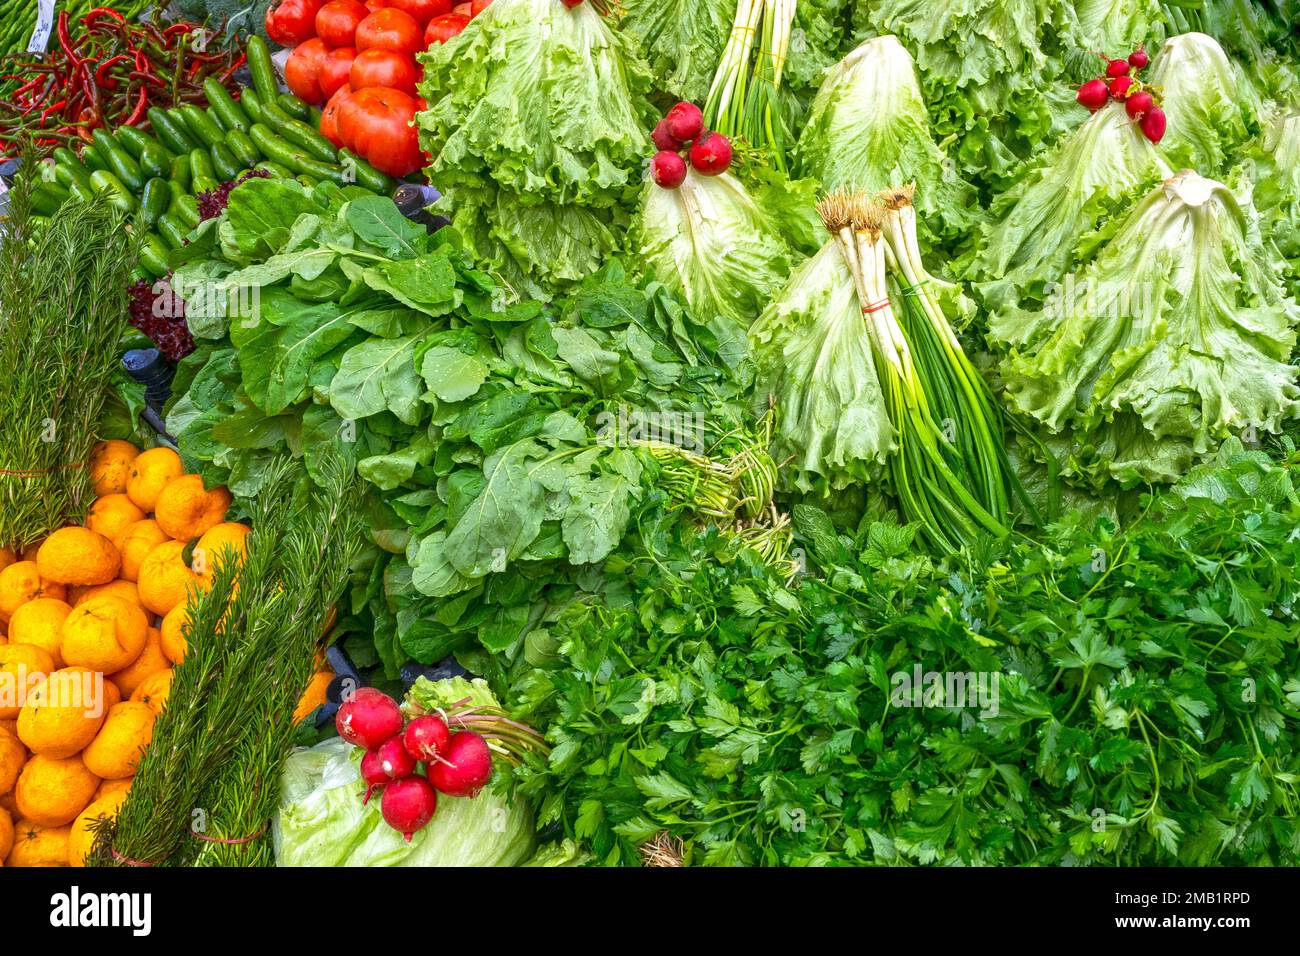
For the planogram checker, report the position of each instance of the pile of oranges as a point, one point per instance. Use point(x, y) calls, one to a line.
point(92, 621)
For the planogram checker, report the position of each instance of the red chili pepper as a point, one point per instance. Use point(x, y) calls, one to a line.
point(149, 78)
point(100, 12)
point(230, 70)
point(101, 72)
point(52, 108)
point(141, 105)
point(65, 38)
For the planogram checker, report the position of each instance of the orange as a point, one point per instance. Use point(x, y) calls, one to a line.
point(78, 556)
point(113, 786)
point(110, 466)
point(22, 668)
point(12, 757)
point(64, 712)
point(173, 628)
point(134, 544)
point(165, 580)
point(82, 839)
point(186, 510)
point(314, 696)
point(52, 791)
point(40, 622)
point(105, 634)
point(35, 845)
point(214, 546)
point(151, 660)
point(150, 472)
point(119, 588)
point(113, 514)
point(155, 690)
point(117, 748)
point(22, 582)
point(6, 833)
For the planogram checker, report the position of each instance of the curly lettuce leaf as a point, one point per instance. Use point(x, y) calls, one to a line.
point(1176, 336)
point(710, 243)
point(1112, 28)
point(1210, 108)
point(982, 64)
point(1276, 161)
point(1031, 237)
point(536, 127)
point(682, 40)
point(813, 359)
point(867, 129)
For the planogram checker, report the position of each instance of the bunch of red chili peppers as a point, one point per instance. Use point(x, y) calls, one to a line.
point(109, 75)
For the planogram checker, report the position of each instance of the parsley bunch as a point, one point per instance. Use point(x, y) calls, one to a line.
point(1148, 707)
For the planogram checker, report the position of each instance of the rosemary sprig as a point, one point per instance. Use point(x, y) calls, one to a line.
point(214, 765)
point(63, 287)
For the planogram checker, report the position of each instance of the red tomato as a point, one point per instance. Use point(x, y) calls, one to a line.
point(443, 28)
point(329, 117)
point(384, 68)
point(302, 70)
point(336, 21)
point(373, 5)
point(335, 69)
point(292, 22)
point(422, 11)
point(465, 9)
point(478, 6)
point(377, 124)
point(389, 29)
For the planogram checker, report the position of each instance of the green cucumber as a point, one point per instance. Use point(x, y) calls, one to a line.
point(251, 104)
point(65, 174)
point(153, 255)
point(103, 180)
point(183, 206)
point(293, 106)
point(224, 163)
point(275, 169)
point(155, 199)
point(262, 70)
point(118, 162)
point(171, 131)
point(366, 175)
point(237, 142)
point(172, 230)
point(181, 172)
point(201, 167)
point(298, 133)
point(223, 107)
point(288, 155)
point(92, 157)
point(202, 125)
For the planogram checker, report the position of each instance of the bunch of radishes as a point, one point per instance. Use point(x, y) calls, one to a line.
point(683, 129)
point(1121, 84)
point(456, 763)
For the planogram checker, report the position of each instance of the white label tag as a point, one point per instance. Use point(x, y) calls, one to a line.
point(44, 25)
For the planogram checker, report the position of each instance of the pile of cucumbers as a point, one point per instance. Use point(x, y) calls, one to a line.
point(193, 150)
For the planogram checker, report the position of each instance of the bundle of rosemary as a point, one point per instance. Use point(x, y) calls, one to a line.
point(63, 308)
point(209, 783)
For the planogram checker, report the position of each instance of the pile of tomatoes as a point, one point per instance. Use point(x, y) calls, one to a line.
point(358, 60)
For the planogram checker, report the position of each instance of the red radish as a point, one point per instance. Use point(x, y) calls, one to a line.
point(685, 122)
point(463, 767)
point(1153, 124)
point(426, 737)
point(1093, 94)
point(1138, 58)
point(368, 718)
point(1117, 68)
point(394, 760)
point(1139, 103)
point(572, 3)
point(1120, 86)
point(408, 805)
point(668, 169)
point(373, 774)
point(664, 139)
point(711, 154)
